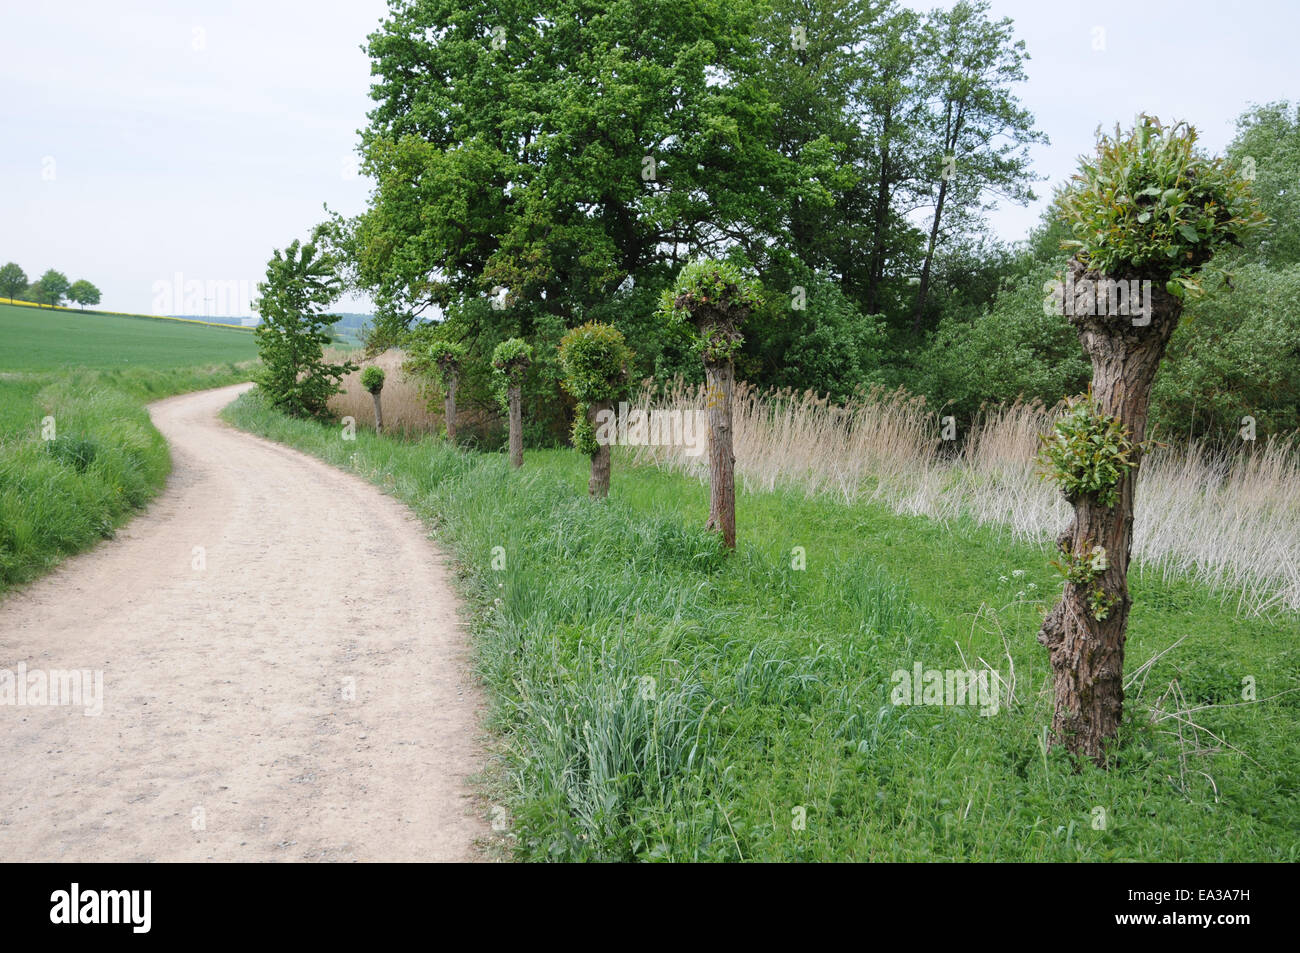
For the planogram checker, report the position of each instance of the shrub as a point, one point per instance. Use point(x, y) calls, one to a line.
point(1012, 350)
point(1235, 355)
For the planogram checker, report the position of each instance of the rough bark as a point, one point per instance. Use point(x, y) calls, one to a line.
point(1087, 655)
point(449, 406)
point(598, 486)
point(379, 413)
point(516, 427)
point(719, 377)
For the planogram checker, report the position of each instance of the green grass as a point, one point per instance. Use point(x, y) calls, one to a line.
point(42, 339)
point(58, 496)
point(656, 699)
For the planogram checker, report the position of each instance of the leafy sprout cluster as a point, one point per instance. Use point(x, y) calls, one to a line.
point(1151, 200)
point(1084, 569)
point(1088, 452)
point(511, 358)
point(372, 379)
point(597, 364)
point(715, 297)
point(446, 356)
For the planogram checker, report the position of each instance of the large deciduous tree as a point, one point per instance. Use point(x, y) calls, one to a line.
point(554, 156)
point(1267, 150)
point(1150, 210)
point(84, 293)
point(978, 132)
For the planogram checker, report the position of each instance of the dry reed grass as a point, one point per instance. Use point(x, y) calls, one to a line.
point(1230, 520)
point(406, 408)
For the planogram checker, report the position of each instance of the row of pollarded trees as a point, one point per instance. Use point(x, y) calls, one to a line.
point(50, 289)
point(1150, 208)
point(711, 298)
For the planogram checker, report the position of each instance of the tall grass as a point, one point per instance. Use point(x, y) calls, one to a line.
point(106, 460)
point(655, 698)
point(411, 406)
point(1231, 520)
point(407, 408)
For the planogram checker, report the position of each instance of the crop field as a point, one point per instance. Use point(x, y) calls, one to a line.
point(78, 455)
point(46, 339)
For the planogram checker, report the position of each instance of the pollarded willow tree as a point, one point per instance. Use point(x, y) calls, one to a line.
point(446, 356)
point(372, 379)
point(1147, 213)
point(597, 365)
point(510, 359)
point(714, 298)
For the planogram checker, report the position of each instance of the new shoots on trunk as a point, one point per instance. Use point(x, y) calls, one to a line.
point(714, 299)
point(1146, 214)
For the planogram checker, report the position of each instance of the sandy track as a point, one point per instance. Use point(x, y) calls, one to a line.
point(226, 688)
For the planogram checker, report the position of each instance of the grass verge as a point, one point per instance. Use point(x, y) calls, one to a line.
point(656, 699)
point(79, 456)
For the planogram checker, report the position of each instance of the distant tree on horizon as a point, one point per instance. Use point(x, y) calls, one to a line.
point(84, 293)
point(13, 280)
point(53, 287)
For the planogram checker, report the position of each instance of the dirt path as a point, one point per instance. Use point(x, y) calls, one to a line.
point(302, 696)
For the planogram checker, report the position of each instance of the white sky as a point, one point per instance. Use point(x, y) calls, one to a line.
point(195, 137)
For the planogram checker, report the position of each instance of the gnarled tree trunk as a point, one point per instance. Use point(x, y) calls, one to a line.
point(719, 377)
point(516, 426)
point(1087, 655)
point(449, 407)
point(598, 486)
point(379, 413)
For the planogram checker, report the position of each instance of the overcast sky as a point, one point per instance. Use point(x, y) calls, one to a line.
point(141, 140)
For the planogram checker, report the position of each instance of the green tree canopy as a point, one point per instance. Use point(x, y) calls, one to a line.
point(1267, 151)
point(13, 280)
point(54, 286)
point(84, 293)
point(300, 284)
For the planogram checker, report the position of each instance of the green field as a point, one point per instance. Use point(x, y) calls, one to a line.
point(655, 699)
point(44, 339)
point(89, 376)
